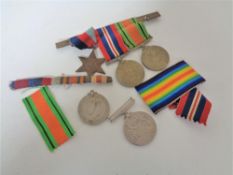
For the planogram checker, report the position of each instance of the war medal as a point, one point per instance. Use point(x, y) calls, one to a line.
point(94, 108)
point(139, 127)
point(155, 58)
point(129, 73)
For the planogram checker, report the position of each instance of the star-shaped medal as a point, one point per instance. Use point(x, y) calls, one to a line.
point(91, 64)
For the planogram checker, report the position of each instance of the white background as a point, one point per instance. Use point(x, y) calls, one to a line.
point(198, 32)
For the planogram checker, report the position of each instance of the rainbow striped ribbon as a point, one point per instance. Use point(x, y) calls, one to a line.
point(167, 86)
point(48, 117)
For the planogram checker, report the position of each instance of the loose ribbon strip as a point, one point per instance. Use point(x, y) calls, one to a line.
point(193, 105)
point(47, 81)
point(48, 117)
point(169, 85)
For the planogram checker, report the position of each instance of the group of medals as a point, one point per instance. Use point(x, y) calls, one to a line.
point(139, 127)
point(169, 87)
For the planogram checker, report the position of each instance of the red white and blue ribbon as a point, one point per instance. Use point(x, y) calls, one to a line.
point(193, 106)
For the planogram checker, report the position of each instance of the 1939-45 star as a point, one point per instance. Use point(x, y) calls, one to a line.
point(91, 64)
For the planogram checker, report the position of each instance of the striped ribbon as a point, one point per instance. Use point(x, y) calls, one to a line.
point(114, 40)
point(47, 81)
point(48, 117)
point(110, 42)
point(133, 32)
point(194, 106)
point(84, 40)
point(167, 86)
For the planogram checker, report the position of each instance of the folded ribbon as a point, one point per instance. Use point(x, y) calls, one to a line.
point(115, 39)
point(169, 85)
point(193, 105)
point(84, 40)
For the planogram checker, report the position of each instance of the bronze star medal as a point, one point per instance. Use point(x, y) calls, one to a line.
point(91, 64)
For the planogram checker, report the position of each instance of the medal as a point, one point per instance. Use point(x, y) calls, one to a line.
point(91, 64)
point(129, 73)
point(94, 108)
point(155, 58)
point(139, 127)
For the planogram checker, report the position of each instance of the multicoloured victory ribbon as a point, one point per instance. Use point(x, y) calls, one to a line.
point(47, 81)
point(169, 85)
point(48, 117)
point(193, 105)
point(115, 39)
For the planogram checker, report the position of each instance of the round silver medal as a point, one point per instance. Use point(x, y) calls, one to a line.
point(155, 57)
point(129, 73)
point(139, 128)
point(94, 108)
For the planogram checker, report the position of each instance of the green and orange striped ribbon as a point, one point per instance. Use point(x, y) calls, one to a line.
point(133, 32)
point(48, 117)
